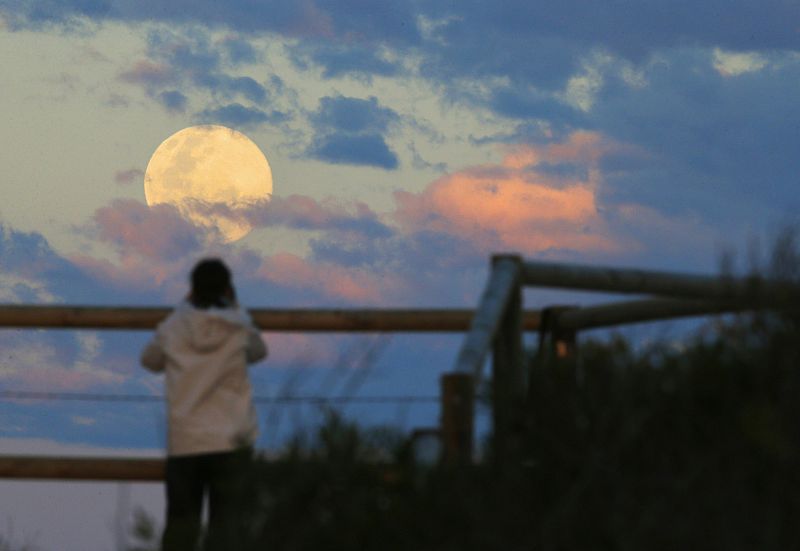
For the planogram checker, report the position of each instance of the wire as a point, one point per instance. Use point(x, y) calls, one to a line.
point(97, 397)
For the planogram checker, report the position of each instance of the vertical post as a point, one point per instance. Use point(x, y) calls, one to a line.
point(508, 375)
point(458, 398)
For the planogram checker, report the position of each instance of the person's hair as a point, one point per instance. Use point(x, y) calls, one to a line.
point(211, 284)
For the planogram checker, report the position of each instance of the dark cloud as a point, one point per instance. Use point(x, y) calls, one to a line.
point(230, 87)
point(248, 88)
point(351, 131)
point(39, 13)
point(353, 115)
point(237, 115)
point(566, 171)
point(173, 100)
point(722, 146)
point(28, 256)
point(529, 104)
point(344, 60)
point(191, 60)
point(354, 149)
point(239, 51)
point(516, 36)
point(634, 30)
point(190, 51)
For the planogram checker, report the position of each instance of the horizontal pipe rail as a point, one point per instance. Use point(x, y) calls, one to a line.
point(267, 319)
point(633, 311)
point(99, 469)
point(82, 468)
point(756, 292)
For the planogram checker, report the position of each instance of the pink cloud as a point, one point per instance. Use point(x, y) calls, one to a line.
point(157, 232)
point(350, 283)
point(154, 245)
point(512, 206)
point(581, 147)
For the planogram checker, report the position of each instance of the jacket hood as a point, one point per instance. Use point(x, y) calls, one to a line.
point(208, 329)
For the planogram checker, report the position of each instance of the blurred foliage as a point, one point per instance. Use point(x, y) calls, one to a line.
point(143, 532)
point(680, 446)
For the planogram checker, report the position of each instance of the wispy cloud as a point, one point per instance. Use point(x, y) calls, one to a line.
point(129, 176)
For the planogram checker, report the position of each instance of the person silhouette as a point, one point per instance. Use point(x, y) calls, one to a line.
point(204, 348)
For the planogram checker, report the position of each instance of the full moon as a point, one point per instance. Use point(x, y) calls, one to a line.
point(202, 166)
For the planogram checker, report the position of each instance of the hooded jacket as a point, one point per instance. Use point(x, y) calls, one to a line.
point(204, 354)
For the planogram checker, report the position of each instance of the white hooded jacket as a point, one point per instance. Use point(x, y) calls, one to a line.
point(204, 354)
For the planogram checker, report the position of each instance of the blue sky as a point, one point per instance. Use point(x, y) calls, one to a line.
point(408, 141)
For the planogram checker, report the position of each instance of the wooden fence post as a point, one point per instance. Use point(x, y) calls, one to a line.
point(508, 372)
point(458, 398)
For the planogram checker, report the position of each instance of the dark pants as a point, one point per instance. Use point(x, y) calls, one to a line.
point(189, 477)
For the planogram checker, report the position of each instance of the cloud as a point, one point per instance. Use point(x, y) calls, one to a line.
point(352, 115)
point(173, 100)
point(362, 149)
point(515, 206)
point(53, 362)
point(300, 212)
point(231, 87)
point(239, 51)
point(33, 271)
point(237, 115)
point(129, 176)
point(352, 284)
point(535, 43)
point(158, 232)
point(707, 136)
point(339, 60)
point(193, 62)
point(731, 64)
point(522, 103)
point(148, 73)
point(351, 131)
